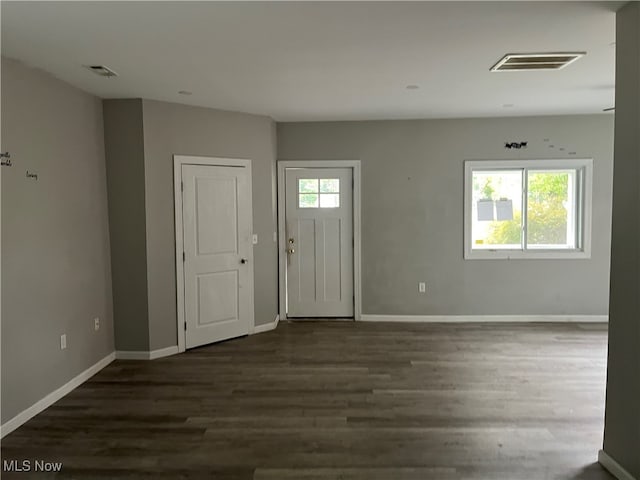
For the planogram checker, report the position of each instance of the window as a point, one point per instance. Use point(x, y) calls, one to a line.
point(527, 209)
point(318, 193)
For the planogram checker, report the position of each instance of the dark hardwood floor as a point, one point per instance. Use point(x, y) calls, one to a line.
point(340, 400)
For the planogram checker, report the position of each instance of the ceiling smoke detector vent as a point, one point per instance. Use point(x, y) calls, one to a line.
point(101, 70)
point(535, 61)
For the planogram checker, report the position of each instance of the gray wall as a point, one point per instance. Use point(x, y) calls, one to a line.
point(622, 422)
point(178, 129)
point(412, 212)
point(55, 242)
point(124, 149)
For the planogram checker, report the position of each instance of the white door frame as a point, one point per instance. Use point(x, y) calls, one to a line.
point(282, 257)
point(178, 162)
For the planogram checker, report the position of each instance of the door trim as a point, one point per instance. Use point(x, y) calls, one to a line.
point(178, 162)
point(282, 258)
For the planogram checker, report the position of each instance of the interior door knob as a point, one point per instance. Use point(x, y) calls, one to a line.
point(291, 250)
point(244, 260)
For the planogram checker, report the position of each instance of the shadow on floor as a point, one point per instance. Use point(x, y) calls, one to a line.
point(592, 472)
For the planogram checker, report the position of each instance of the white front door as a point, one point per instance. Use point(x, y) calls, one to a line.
point(319, 242)
point(218, 257)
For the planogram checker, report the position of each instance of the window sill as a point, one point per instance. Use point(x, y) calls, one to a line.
point(529, 255)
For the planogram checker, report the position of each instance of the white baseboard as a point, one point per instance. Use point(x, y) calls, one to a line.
point(613, 467)
point(54, 396)
point(267, 326)
point(484, 318)
point(146, 355)
point(163, 352)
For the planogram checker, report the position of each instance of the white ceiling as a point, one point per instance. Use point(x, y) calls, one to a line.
point(325, 60)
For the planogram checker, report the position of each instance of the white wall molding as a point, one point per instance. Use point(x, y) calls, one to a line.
point(485, 318)
point(267, 326)
point(163, 352)
point(613, 467)
point(173, 350)
point(147, 355)
point(54, 396)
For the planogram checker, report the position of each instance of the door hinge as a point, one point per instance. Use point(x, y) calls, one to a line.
point(182, 186)
point(184, 257)
point(185, 326)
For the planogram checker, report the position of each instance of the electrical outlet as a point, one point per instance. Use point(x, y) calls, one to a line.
point(422, 287)
point(96, 323)
point(63, 341)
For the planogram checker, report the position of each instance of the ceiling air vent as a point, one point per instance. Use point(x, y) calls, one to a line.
point(101, 70)
point(535, 61)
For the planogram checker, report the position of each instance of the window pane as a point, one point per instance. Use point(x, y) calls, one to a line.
point(308, 185)
point(496, 209)
point(551, 209)
point(329, 185)
point(308, 200)
point(329, 200)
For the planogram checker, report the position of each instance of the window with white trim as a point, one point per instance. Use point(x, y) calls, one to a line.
point(527, 209)
point(318, 192)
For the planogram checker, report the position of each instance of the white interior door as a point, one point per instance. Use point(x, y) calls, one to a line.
point(218, 257)
point(319, 242)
